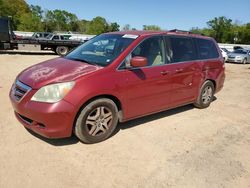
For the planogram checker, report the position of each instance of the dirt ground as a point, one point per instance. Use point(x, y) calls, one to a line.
point(184, 147)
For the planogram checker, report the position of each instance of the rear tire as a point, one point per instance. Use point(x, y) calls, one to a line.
point(62, 50)
point(96, 121)
point(244, 61)
point(206, 95)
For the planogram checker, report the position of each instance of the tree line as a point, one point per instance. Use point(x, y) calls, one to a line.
point(34, 18)
point(223, 30)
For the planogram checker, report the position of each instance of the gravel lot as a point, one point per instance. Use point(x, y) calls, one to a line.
point(184, 147)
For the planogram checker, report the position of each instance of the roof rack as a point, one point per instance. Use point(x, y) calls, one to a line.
point(180, 31)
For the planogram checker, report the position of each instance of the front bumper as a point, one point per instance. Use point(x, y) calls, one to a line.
point(234, 60)
point(51, 120)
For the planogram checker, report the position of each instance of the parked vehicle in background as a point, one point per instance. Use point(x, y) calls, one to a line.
point(81, 37)
point(239, 56)
point(37, 35)
point(53, 36)
point(116, 77)
point(224, 53)
point(237, 48)
point(59, 44)
point(40, 35)
point(17, 37)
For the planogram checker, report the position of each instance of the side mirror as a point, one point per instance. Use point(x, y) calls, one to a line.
point(138, 61)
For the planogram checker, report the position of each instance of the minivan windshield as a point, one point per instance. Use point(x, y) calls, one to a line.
point(101, 50)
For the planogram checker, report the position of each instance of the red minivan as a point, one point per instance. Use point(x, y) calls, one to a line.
point(116, 77)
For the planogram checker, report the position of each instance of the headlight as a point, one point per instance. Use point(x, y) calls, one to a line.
point(53, 93)
point(239, 57)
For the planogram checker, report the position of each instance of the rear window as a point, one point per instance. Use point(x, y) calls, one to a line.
point(182, 49)
point(207, 49)
point(56, 37)
point(240, 51)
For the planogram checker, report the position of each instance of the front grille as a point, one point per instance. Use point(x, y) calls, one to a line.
point(19, 90)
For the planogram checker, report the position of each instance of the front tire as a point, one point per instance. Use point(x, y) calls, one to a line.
point(206, 95)
point(62, 50)
point(96, 121)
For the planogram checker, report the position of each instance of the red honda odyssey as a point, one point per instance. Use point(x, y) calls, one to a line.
point(116, 77)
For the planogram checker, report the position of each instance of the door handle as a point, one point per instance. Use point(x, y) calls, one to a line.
point(164, 72)
point(179, 70)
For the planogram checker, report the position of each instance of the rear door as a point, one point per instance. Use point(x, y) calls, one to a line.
point(184, 69)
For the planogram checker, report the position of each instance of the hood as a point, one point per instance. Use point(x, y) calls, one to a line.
point(55, 70)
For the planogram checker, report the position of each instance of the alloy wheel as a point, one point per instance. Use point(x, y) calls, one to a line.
point(207, 94)
point(99, 121)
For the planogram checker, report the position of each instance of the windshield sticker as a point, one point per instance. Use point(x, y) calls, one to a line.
point(130, 36)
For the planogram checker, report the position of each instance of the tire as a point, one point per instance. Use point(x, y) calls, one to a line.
point(206, 95)
point(96, 121)
point(62, 50)
point(244, 61)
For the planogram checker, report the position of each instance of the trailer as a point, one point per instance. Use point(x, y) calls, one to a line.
point(8, 41)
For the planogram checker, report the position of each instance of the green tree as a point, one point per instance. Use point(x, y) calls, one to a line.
point(246, 34)
point(37, 11)
point(126, 27)
point(97, 26)
point(60, 20)
point(1, 7)
point(14, 9)
point(221, 26)
point(204, 31)
point(31, 21)
point(241, 33)
point(151, 27)
point(113, 27)
point(82, 26)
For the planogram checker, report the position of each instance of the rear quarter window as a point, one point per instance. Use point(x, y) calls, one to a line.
point(206, 49)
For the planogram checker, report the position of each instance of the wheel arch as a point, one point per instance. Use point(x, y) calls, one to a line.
point(107, 96)
point(214, 83)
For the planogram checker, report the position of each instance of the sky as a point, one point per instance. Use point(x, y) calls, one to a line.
point(175, 14)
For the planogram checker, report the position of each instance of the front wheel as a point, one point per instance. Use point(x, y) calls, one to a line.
point(96, 121)
point(62, 50)
point(206, 95)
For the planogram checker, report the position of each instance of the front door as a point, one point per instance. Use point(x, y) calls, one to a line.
point(147, 88)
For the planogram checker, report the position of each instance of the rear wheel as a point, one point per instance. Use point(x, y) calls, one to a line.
point(244, 61)
point(62, 50)
point(96, 121)
point(206, 95)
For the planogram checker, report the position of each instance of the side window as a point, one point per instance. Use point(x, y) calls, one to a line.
point(206, 49)
point(152, 49)
point(56, 37)
point(182, 49)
